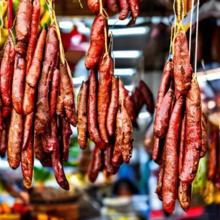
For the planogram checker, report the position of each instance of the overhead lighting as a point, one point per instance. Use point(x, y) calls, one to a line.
point(127, 53)
point(210, 76)
point(78, 80)
point(130, 31)
point(66, 24)
point(116, 21)
point(124, 72)
point(211, 104)
point(144, 115)
point(129, 88)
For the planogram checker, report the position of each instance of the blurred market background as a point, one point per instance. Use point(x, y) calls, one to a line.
point(140, 53)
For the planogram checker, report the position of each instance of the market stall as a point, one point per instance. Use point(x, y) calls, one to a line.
point(109, 109)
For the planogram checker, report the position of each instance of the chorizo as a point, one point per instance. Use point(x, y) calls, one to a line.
point(94, 5)
point(148, 97)
point(27, 162)
point(42, 108)
point(15, 140)
point(28, 124)
point(113, 6)
point(18, 84)
point(159, 189)
point(113, 106)
point(182, 143)
point(66, 132)
point(107, 159)
point(67, 94)
point(95, 164)
point(181, 63)
point(171, 158)
point(34, 32)
point(213, 153)
point(34, 68)
point(204, 136)
point(157, 150)
point(57, 164)
point(193, 138)
point(7, 70)
point(97, 42)
point(104, 96)
point(124, 9)
point(162, 120)
point(23, 21)
point(44, 158)
point(54, 92)
point(164, 84)
point(3, 140)
point(82, 115)
point(92, 108)
point(29, 99)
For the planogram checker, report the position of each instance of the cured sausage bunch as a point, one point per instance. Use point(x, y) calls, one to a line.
point(214, 156)
point(37, 97)
point(105, 108)
point(123, 7)
point(101, 114)
point(180, 129)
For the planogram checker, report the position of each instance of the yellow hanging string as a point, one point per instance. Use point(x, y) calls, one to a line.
point(179, 10)
point(1, 17)
point(101, 10)
point(54, 21)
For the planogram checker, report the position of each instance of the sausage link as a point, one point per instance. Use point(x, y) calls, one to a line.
point(92, 108)
point(51, 50)
point(66, 132)
point(15, 140)
point(182, 67)
point(204, 136)
point(113, 106)
point(28, 124)
point(7, 70)
point(171, 158)
point(163, 116)
point(18, 84)
point(97, 42)
point(27, 162)
point(104, 95)
point(82, 115)
point(193, 142)
point(95, 164)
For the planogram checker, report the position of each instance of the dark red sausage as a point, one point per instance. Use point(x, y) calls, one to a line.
point(82, 115)
point(58, 167)
point(182, 143)
point(27, 162)
point(204, 136)
point(15, 140)
point(7, 70)
point(18, 84)
point(34, 32)
point(182, 67)
point(148, 97)
point(113, 106)
point(66, 132)
point(104, 96)
point(95, 164)
point(162, 120)
point(54, 91)
point(124, 9)
point(97, 42)
point(51, 50)
point(92, 108)
point(28, 124)
point(171, 159)
point(193, 141)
